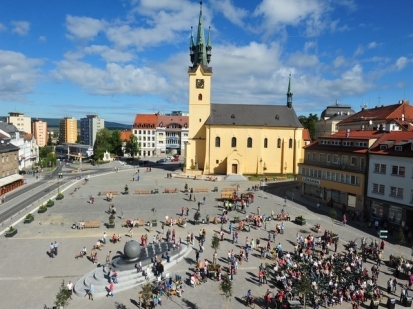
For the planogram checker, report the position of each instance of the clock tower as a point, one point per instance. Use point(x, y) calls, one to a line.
point(200, 74)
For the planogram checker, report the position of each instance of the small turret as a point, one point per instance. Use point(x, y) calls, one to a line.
point(200, 53)
point(289, 94)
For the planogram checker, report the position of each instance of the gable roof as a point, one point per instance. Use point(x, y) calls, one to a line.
point(125, 135)
point(166, 120)
point(306, 135)
point(395, 111)
point(8, 128)
point(145, 119)
point(253, 115)
point(392, 139)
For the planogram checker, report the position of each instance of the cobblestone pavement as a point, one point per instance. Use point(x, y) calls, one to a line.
point(30, 279)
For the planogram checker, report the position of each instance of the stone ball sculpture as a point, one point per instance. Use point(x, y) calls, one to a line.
point(132, 249)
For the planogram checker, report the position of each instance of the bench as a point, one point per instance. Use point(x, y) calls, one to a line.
point(171, 221)
point(226, 195)
point(109, 192)
point(141, 192)
point(126, 223)
point(198, 190)
point(181, 222)
point(169, 190)
point(280, 178)
point(91, 224)
point(229, 189)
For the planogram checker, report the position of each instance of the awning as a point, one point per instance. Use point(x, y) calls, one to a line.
point(10, 179)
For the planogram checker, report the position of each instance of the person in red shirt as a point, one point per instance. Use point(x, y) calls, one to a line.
point(110, 289)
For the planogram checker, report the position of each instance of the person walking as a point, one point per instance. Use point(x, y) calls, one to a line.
point(182, 211)
point(187, 211)
point(69, 288)
point(91, 291)
point(104, 238)
point(110, 289)
point(196, 255)
point(55, 247)
point(51, 250)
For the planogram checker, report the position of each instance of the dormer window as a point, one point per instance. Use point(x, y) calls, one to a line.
point(383, 147)
point(398, 148)
point(233, 116)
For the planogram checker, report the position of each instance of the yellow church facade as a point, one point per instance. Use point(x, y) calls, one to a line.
point(237, 138)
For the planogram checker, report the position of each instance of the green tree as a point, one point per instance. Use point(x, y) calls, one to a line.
point(215, 242)
point(226, 288)
point(116, 143)
point(132, 146)
point(303, 287)
point(309, 123)
point(62, 296)
point(102, 144)
point(45, 151)
point(146, 293)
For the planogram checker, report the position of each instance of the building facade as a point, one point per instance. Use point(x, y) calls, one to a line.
point(9, 167)
point(390, 179)
point(39, 129)
point(335, 167)
point(236, 138)
point(21, 122)
point(330, 117)
point(89, 127)
point(68, 130)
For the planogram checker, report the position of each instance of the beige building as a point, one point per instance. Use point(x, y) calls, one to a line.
point(236, 138)
point(68, 131)
point(39, 129)
point(21, 122)
point(330, 117)
point(9, 167)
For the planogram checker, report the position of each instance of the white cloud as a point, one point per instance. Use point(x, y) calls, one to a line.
point(232, 13)
point(113, 79)
point(21, 27)
point(401, 63)
point(2, 27)
point(355, 73)
point(109, 54)
point(359, 51)
point(42, 38)
point(339, 61)
point(372, 45)
point(310, 45)
point(84, 28)
point(303, 60)
point(18, 75)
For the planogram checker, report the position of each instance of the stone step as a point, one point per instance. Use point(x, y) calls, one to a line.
point(127, 278)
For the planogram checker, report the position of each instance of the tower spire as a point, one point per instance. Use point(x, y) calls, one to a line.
point(200, 53)
point(289, 94)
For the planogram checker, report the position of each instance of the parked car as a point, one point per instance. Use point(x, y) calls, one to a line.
point(161, 161)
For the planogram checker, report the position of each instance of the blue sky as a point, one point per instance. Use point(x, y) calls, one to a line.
point(117, 58)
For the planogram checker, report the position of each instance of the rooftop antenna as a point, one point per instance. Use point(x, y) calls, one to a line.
point(364, 106)
point(378, 99)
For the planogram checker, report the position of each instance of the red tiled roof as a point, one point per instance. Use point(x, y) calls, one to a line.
point(306, 135)
point(392, 139)
point(395, 111)
point(145, 119)
point(355, 134)
point(125, 135)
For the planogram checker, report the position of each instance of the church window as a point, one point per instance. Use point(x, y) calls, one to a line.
point(279, 143)
point(290, 143)
point(265, 142)
point(199, 97)
point(217, 142)
point(249, 142)
point(234, 142)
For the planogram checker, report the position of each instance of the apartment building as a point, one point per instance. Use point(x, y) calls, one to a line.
point(89, 127)
point(9, 167)
point(39, 130)
point(335, 167)
point(68, 130)
point(21, 122)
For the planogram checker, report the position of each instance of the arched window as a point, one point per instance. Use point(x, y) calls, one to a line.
point(249, 142)
point(279, 143)
point(290, 143)
point(199, 97)
point(217, 141)
point(233, 142)
point(265, 143)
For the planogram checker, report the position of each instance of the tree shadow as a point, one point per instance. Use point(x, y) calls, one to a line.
point(190, 304)
point(120, 306)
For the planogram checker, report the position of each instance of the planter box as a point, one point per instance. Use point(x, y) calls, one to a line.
point(11, 234)
point(236, 219)
point(111, 226)
point(154, 224)
point(300, 221)
point(196, 222)
point(40, 211)
point(59, 198)
point(28, 220)
point(50, 204)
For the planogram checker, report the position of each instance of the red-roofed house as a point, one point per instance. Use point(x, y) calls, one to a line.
point(335, 168)
point(379, 117)
point(390, 179)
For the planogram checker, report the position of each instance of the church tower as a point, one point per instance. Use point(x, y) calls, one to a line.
point(289, 94)
point(200, 74)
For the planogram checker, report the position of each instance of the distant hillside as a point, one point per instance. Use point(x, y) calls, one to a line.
point(54, 123)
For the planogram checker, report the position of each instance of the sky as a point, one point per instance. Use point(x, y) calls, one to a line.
point(117, 58)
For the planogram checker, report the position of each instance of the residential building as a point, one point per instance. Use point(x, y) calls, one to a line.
point(89, 127)
point(28, 153)
point(335, 167)
point(390, 179)
point(9, 167)
point(330, 117)
point(21, 122)
point(68, 130)
point(39, 129)
point(161, 134)
point(396, 117)
point(236, 138)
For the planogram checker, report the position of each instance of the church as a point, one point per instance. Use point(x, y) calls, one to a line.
point(236, 138)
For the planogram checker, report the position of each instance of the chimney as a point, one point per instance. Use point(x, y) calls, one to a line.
point(347, 132)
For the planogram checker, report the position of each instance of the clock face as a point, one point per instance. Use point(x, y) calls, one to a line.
point(200, 83)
